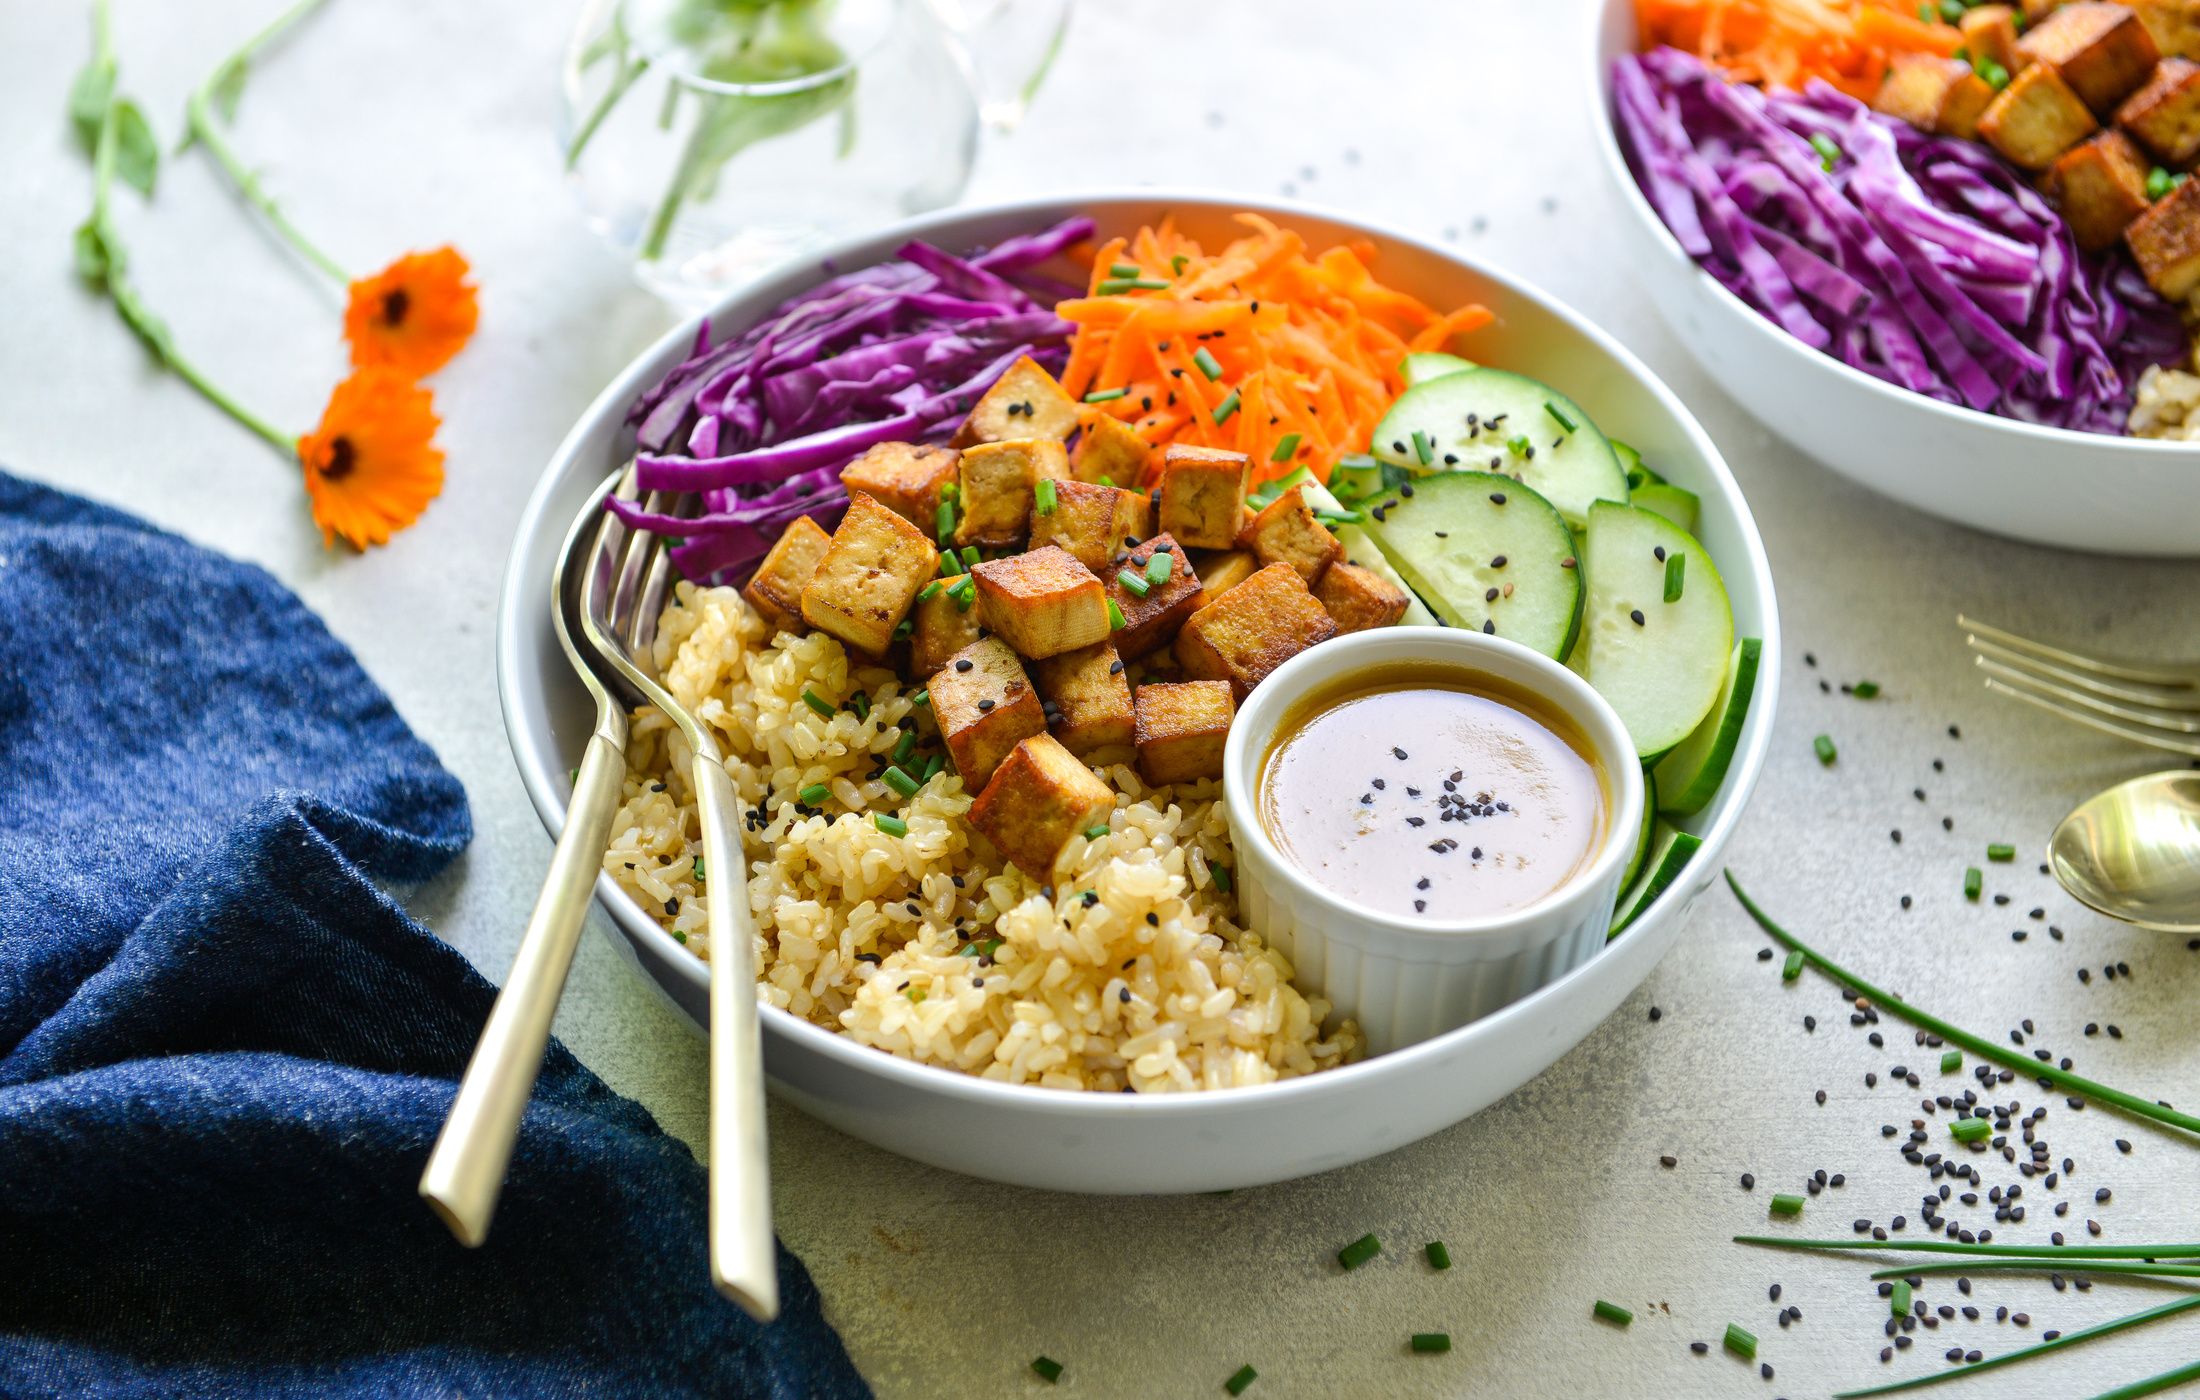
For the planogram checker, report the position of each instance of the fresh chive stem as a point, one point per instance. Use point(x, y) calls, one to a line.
point(1043, 496)
point(1974, 880)
point(817, 703)
point(1048, 1368)
point(814, 795)
point(1133, 583)
point(2067, 1339)
point(1823, 747)
point(2040, 1253)
point(1227, 409)
point(2153, 1385)
point(1785, 1204)
point(1095, 833)
point(1951, 1061)
point(943, 524)
point(2001, 851)
point(1898, 1298)
point(1741, 1341)
point(931, 590)
point(1160, 566)
point(1240, 1379)
point(1423, 448)
point(1123, 269)
point(905, 746)
point(900, 781)
point(1106, 395)
point(1971, 1129)
point(2047, 1264)
point(1208, 364)
point(1115, 617)
point(1432, 1343)
point(1792, 968)
point(1438, 1256)
point(1954, 1035)
point(1613, 1312)
point(1287, 447)
point(892, 826)
point(1676, 576)
point(1562, 420)
point(1358, 1252)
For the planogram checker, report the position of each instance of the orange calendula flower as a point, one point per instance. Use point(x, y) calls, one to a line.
point(372, 465)
point(413, 315)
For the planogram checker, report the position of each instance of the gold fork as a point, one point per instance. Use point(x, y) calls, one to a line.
point(2151, 703)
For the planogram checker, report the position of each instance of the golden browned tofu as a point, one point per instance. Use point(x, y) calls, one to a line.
point(1025, 402)
point(1202, 500)
point(1086, 698)
point(869, 576)
point(985, 706)
point(905, 477)
point(2101, 186)
point(2036, 118)
point(776, 589)
point(1181, 730)
point(1042, 603)
point(1219, 572)
point(1094, 523)
point(2037, 10)
point(1108, 450)
point(994, 494)
point(2175, 25)
point(2165, 241)
point(1286, 532)
point(1251, 630)
point(942, 624)
point(2102, 51)
point(1150, 620)
point(2164, 114)
point(1040, 799)
point(1357, 599)
point(1933, 94)
point(1990, 36)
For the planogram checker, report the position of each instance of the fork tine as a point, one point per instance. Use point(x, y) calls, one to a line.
point(2128, 692)
point(2146, 716)
point(2182, 678)
point(2152, 738)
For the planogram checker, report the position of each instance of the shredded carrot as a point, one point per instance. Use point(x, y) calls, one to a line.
point(1305, 347)
point(1786, 43)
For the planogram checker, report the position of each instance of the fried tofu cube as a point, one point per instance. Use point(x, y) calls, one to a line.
point(1108, 449)
point(1094, 523)
point(1219, 572)
point(985, 706)
point(1025, 402)
point(907, 478)
point(1041, 798)
point(2101, 186)
point(1202, 500)
point(1357, 599)
point(2037, 10)
point(2165, 241)
point(1251, 630)
point(1087, 699)
point(869, 577)
point(995, 488)
point(775, 591)
point(1933, 93)
point(2175, 25)
point(1042, 603)
point(2036, 118)
point(1151, 621)
point(1181, 730)
point(941, 625)
point(1286, 532)
point(2164, 114)
point(1990, 36)
point(2102, 51)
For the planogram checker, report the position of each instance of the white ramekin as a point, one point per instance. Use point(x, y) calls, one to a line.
point(1407, 981)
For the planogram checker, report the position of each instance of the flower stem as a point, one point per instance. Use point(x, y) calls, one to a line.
point(204, 129)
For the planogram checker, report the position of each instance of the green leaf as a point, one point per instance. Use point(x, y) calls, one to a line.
point(228, 88)
point(89, 95)
point(91, 253)
point(137, 150)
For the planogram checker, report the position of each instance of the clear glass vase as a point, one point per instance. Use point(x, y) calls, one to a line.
point(711, 140)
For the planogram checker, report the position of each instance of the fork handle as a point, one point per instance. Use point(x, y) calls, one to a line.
point(744, 1264)
point(465, 1171)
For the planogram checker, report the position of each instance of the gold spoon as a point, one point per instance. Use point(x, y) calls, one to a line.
point(2133, 852)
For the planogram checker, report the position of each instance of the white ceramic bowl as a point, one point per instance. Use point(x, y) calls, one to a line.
point(1406, 981)
point(1129, 1143)
point(2112, 495)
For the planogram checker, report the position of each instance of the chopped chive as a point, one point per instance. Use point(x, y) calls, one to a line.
point(892, 826)
point(1133, 583)
point(1334, 517)
point(1150, 284)
point(971, 557)
point(1563, 420)
point(1106, 481)
point(1220, 874)
point(814, 795)
point(1227, 409)
point(1951, 1061)
point(1828, 153)
point(1898, 1299)
point(1160, 566)
point(1115, 617)
point(861, 704)
point(1792, 968)
point(1432, 1343)
point(1996, 76)
point(915, 994)
point(1106, 395)
point(573, 775)
point(904, 629)
point(1823, 747)
point(2030, 1253)
point(1865, 690)
point(1974, 880)
point(943, 522)
point(2001, 851)
point(922, 697)
point(1243, 1377)
point(679, 936)
point(2152, 1385)
point(931, 590)
point(949, 564)
point(964, 595)
point(1970, 1129)
point(1048, 1368)
point(697, 872)
point(1423, 448)
point(1287, 447)
point(951, 491)
point(2161, 183)
point(932, 767)
point(1208, 364)
point(1926, 14)
point(1094, 833)
point(1613, 1312)
point(1676, 576)
point(1123, 269)
point(905, 746)
point(900, 781)
point(1177, 263)
point(810, 698)
point(1519, 446)
point(1438, 1256)
point(1043, 497)
point(1784, 1204)
point(1741, 1342)
point(1358, 1252)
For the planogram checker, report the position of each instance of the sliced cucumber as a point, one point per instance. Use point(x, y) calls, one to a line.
point(1446, 424)
point(1675, 504)
point(1630, 461)
point(1659, 664)
point(1429, 364)
point(1670, 849)
point(1465, 536)
point(1361, 550)
point(1642, 830)
point(1690, 776)
point(1356, 477)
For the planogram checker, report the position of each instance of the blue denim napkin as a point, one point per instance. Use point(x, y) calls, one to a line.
point(224, 1052)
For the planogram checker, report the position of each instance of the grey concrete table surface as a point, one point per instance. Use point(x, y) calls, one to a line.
point(387, 126)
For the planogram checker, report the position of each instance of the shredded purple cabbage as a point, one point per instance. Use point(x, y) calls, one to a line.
point(762, 424)
point(1923, 260)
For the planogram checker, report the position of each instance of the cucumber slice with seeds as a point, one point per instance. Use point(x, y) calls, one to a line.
point(1660, 664)
point(1473, 420)
point(1463, 539)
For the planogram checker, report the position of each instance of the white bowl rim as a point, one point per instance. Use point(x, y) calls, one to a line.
point(1557, 686)
point(1957, 414)
point(922, 1078)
